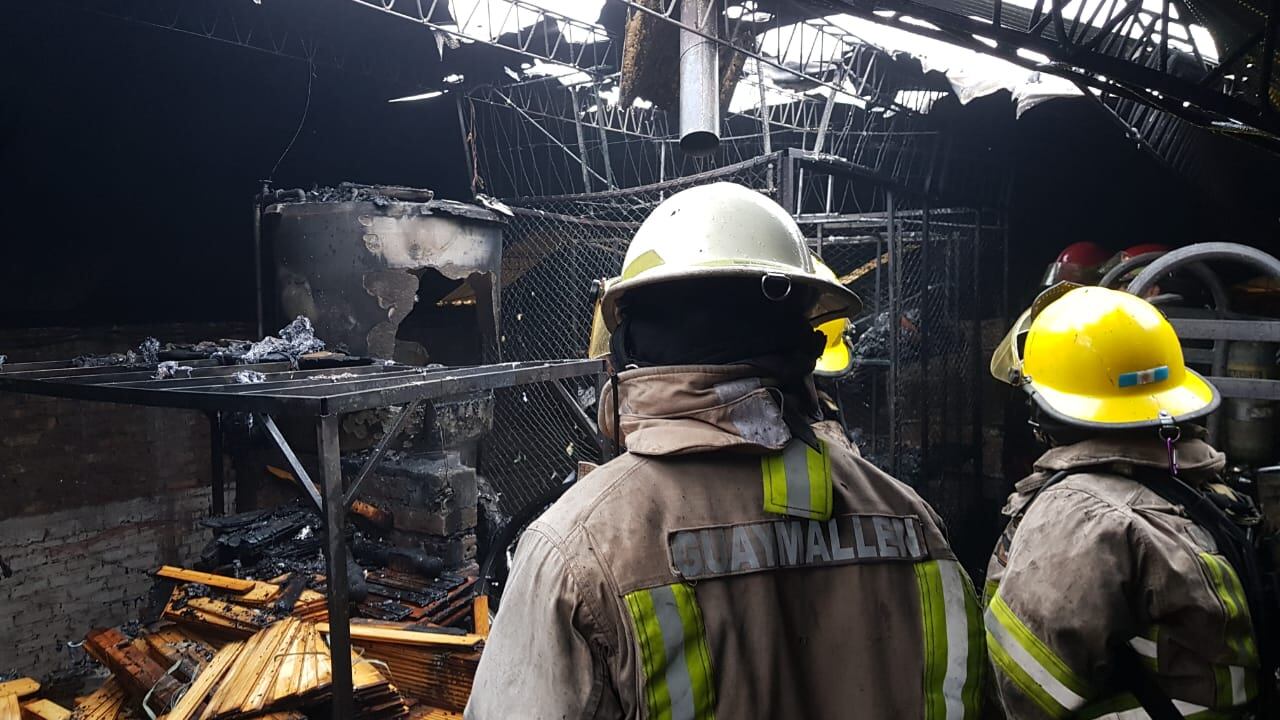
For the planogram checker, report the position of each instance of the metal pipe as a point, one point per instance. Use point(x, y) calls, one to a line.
point(335, 552)
point(602, 126)
point(257, 263)
point(582, 140)
point(699, 79)
point(218, 490)
point(926, 330)
point(895, 285)
point(764, 127)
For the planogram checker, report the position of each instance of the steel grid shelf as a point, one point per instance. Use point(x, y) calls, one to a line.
point(323, 394)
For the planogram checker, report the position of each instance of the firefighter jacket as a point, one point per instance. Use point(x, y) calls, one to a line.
point(721, 568)
point(1100, 565)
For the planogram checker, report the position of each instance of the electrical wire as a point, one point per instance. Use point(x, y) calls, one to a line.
point(301, 121)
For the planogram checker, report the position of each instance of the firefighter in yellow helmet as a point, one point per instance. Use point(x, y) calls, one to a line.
point(837, 356)
point(1118, 589)
point(740, 560)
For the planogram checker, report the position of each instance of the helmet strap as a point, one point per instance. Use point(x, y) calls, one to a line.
point(1170, 433)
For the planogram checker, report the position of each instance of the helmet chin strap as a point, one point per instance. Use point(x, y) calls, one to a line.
point(1170, 433)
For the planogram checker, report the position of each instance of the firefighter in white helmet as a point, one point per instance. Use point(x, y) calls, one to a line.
point(1119, 589)
point(740, 560)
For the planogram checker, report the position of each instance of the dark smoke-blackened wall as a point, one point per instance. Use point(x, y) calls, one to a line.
point(129, 156)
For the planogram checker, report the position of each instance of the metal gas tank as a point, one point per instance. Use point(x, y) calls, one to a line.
point(1251, 424)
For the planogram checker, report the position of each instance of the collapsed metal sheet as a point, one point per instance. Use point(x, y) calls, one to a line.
point(353, 266)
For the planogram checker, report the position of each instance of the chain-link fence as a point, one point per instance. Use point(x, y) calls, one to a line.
point(554, 248)
point(927, 277)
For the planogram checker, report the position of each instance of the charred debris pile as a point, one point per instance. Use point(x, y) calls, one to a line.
point(228, 647)
point(242, 634)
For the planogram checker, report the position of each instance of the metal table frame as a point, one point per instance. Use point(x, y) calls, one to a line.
point(320, 394)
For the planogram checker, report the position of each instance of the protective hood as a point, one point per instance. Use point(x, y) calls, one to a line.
point(1120, 453)
point(679, 410)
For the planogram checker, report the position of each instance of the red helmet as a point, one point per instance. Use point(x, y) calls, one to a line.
point(1142, 249)
point(1129, 253)
point(1078, 262)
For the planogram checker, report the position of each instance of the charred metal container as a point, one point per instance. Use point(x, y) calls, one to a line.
point(358, 260)
point(390, 272)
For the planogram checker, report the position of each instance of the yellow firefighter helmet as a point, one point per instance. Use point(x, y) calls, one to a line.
point(837, 356)
point(1104, 359)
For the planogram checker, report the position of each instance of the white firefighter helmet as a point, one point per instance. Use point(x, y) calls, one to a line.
point(726, 230)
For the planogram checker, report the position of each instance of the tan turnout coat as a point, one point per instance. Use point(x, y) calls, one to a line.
point(1099, 562)
point(659, 586)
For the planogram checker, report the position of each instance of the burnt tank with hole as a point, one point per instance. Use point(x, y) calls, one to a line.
point(391, 272)
point(388, 272)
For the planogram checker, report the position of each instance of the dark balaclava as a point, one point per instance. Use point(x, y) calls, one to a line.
point(723, 321)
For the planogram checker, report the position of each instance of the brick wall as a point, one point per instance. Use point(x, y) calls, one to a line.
point(93, 496)
point(72, 570)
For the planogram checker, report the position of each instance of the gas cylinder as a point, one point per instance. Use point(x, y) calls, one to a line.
point(1251, 424)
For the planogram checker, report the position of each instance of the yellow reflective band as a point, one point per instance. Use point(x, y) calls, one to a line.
point(989, 589)
point(797, 481)
point(1147, 647)
point(954, 657)
point(679, 683)
point(1238, 629)
point(646, 260)
point(1029, 663)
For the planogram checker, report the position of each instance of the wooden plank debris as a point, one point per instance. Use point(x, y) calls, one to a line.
point(234, 648)
point(407, 634)
point(284, 667)
point(425, 712)
point(130, 663)
point(105, 703)
point(43, 709)
point(235, 608)
point(9, 708)
point(436, 668)
point(21, 687)
point(222, 582)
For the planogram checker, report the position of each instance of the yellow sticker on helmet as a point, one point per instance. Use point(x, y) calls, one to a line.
point(646, 260)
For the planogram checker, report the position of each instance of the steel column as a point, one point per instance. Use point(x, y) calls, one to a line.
point(895, 285)
point(257, 265)
point(604, 141)
point(976, 341)
point(582, 140)
point(218, 490)
point(926, 330)
point(335, 555)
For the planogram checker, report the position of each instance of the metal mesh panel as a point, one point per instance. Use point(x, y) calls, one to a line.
point(536, 442)
point(553, 249)
point(912, 402)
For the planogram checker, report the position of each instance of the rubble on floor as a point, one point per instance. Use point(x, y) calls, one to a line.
point(235, 647)
point(282, 544)
point(19, 700)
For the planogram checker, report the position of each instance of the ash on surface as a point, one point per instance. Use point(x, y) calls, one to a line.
point(248, 377)
point(296, 339)
point(380, 195)
point(170, 369)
